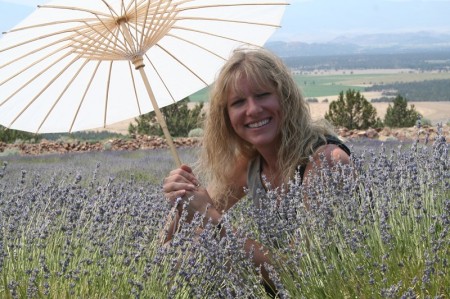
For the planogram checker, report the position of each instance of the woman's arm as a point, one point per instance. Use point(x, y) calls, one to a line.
point(200, 201)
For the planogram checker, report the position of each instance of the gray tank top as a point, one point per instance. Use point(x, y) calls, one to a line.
point(254, 183)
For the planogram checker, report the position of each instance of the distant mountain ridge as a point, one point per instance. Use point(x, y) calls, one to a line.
point(382, 43)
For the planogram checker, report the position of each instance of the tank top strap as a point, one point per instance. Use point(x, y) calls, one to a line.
point(329, 140)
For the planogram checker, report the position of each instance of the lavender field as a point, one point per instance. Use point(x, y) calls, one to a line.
point(90, 226)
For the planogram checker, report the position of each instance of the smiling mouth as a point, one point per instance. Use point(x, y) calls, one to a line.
point(258, 124)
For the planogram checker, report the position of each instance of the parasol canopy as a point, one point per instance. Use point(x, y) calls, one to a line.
point(77, 65)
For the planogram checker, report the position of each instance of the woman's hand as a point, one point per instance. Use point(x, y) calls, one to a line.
point(179, 181)
point(182, 183)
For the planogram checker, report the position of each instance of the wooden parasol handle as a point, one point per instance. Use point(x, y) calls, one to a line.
point(140, 66)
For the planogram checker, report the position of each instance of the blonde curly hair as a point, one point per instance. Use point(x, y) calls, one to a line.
point(222, 148)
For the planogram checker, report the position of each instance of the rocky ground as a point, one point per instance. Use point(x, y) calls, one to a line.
point(152, 142)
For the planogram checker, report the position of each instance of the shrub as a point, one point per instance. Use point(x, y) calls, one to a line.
point(107, 146)
point(352, 111)
point(197, 132)
point(399, 115)
point(179, 119)
point(423, 122)
point(10, 152)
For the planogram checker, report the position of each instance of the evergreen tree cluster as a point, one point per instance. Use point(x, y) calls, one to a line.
point(352, 111)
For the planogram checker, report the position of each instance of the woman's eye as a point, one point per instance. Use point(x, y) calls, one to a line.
point(237, 102)
point(263, 94)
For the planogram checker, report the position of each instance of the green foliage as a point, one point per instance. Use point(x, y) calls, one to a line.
point(197, 132)
point(424, 122)
point(399, 115)
point(10, 136)
point(352, 111)
point(10, 152)
point(179, 119)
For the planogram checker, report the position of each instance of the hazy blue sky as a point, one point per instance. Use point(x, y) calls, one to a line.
point(318, 20)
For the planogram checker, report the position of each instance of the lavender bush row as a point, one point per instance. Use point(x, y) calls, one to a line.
point(382, 232)
point(91, 225)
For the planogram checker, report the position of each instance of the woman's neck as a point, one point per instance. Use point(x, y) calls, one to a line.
point(269, 154)
point(270, 169)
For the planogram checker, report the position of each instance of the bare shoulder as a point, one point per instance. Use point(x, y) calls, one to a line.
point(331, 154)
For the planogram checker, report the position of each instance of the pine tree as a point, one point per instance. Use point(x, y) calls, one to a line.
point(352, 111)
point(399, 115)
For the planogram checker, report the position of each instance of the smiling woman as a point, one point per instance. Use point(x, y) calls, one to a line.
point(258, 135)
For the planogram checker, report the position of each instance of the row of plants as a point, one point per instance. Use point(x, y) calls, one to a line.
point(87, 226)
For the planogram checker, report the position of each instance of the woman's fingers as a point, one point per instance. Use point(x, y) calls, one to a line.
point(174, 190)
point(174, 195)
point(186, 168)
point(176, 186)
point(189, 174)
point(179, 182)
point(183, 174)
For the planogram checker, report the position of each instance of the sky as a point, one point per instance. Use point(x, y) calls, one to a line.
point(318, 20)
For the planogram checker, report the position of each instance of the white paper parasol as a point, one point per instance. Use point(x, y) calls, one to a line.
point(76, 65)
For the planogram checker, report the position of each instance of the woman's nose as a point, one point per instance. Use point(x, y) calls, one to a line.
point(253, 107)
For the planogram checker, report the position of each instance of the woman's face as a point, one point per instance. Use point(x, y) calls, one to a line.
point(255, 114)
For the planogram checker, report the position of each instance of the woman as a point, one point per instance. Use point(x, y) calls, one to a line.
point(258, 125)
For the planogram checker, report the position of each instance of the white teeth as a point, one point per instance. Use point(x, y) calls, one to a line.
point(259, 124)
